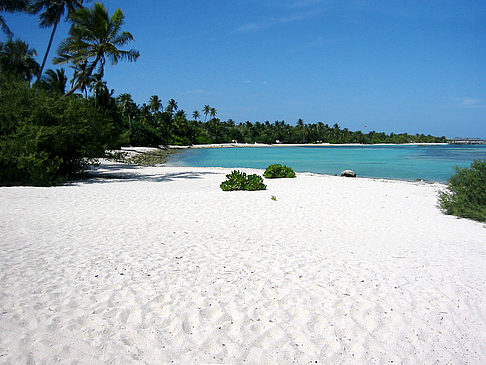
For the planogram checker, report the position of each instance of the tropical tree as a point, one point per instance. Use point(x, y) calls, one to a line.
point(212, 112)
point(127, 106)
point(155, 103)
point(206, 110)
point(94, 37)
point(11, 6)
point(17, 59)
point(54, 80)
point(171, 106)
point(79, 73)
point(195, 115)
point(51, 14)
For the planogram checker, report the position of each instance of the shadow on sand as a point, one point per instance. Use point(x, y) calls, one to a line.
point(108, 173)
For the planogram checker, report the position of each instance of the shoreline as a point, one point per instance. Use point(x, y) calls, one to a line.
point(158, 264)
point(247, 145)
point(139, 151)
point(254, 170)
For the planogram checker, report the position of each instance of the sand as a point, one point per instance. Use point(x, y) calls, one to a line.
point(158, 265)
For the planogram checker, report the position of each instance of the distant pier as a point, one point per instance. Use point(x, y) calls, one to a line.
point(467, 141)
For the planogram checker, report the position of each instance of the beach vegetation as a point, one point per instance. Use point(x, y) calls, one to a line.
point(466, 193)
point(278, 171)
point(238, 180)
point(17, 60)
point(51, 13)
point(46, 139)
point(94, 37)
point(54, 80)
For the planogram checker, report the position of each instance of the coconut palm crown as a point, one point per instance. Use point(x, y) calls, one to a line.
point(51, 14)
point(11, 6)
point(17, 59)
point(94, 37)
point(54, 80)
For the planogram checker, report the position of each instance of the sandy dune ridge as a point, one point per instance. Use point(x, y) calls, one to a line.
point(154, 265)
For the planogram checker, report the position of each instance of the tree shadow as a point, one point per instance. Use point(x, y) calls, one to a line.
point(109, 173)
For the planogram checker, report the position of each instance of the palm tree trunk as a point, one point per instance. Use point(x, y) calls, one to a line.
point(47, 52)
point(75, 70)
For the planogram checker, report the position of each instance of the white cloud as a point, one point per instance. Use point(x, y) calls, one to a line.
point(193, 92)
point(468, 102)
point(256, 26)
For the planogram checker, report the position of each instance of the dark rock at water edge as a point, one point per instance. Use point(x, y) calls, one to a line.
point(348, 173)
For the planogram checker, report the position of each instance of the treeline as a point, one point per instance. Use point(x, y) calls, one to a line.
point(51, 127)
point(149, 126)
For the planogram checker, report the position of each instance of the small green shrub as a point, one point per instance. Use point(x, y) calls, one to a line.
point(254, 182)
point(466, 193)
point(274, 198)
point(238, 180)
point(278, 171)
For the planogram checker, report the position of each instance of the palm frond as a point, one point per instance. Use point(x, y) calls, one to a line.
point(5, 28)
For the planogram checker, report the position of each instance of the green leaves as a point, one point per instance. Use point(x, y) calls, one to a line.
point(278, 171)
point(93, 37)
point(466, 193)
point(238, 180)
point(46, 139)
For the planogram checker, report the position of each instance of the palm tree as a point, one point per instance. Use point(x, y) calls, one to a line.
point(212, 112)
point(94, 36)
point(155, 103)
point(54, 80)
point(10, 6)
point(17, 59)
point(127, 106)
point(206, 110)
point(195, 115)
point(53, 10)
point(171, 106)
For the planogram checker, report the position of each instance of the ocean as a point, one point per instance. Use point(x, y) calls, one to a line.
point(434, 163)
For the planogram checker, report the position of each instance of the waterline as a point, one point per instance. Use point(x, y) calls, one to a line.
point(401, 162)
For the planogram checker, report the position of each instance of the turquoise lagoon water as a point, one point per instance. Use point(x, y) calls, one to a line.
point(401, 162)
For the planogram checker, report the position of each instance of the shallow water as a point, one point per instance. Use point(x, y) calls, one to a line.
point(401, 162)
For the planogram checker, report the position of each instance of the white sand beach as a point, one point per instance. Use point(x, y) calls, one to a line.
point(243, 145)
point(158, 265)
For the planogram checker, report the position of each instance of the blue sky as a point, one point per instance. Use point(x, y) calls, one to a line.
point(394, 66)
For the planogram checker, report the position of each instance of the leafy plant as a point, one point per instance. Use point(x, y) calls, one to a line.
point(254, 182)
point(278, 171)
point(44, 139)
point(466, 193)
point(238, 180)
point(274, 198)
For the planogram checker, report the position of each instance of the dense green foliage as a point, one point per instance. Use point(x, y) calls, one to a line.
point(152, 128)
point(466, 193)
point(17, 60)
point(45, 139)
point(238, 180)
point(278, 171)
